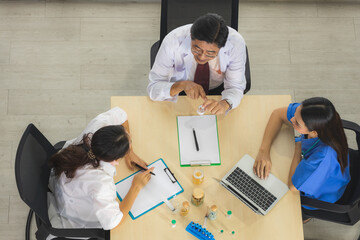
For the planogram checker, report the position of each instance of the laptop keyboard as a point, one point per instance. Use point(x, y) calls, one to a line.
point(251, 189)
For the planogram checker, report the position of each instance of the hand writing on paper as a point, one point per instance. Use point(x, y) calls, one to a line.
point(141, 179)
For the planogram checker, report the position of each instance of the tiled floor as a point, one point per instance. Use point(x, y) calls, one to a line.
point(60, 61)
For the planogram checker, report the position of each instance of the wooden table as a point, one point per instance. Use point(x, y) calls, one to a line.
point(154, 135)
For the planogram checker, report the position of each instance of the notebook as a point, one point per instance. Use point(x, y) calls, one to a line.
point(162, 186)
point(259, 195)
point(198, 140)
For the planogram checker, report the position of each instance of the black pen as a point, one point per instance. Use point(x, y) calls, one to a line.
point(142, 168)
point(196, 142)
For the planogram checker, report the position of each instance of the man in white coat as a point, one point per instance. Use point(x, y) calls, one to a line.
point(199, 59)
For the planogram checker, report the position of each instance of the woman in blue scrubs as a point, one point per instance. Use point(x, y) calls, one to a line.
point(320, 166)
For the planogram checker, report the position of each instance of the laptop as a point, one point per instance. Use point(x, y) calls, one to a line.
point(259, 195)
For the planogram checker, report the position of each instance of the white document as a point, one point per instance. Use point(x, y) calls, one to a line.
point(160, 187)
point(205, 128)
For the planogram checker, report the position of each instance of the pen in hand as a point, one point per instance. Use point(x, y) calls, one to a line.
point(196, 142)
point(142, 168)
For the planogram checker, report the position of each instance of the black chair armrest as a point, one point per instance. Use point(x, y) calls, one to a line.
point(351, 125)
point(58, 146)
point(326, 206)
point(153, 52)
point(354, 127)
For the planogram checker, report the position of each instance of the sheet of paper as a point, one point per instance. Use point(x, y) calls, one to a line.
point(153, 194)
point(207, 137)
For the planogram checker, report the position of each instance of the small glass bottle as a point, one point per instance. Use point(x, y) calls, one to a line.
point(201, 110)
point(212, 213)
point(198, 176)
point(185, 208)
point(198, 196)
point(228, 214)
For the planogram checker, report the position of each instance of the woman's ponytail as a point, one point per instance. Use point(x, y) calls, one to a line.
point(107, 144)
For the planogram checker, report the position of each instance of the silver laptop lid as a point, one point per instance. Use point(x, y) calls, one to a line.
point(272, 184)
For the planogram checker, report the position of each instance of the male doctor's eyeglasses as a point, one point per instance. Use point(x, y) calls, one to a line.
point(199, 51)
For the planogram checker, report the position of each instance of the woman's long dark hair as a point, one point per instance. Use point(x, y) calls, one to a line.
point(107, 144)
point(319, 115)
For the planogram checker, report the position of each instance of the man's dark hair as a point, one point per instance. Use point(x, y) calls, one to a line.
point(210, 28)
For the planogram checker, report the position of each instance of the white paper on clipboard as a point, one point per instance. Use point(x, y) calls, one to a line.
point(162, 185)
point(207, 137)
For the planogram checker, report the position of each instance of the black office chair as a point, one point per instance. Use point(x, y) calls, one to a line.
point(347, 209)
point(32, 177)
point(175, 13)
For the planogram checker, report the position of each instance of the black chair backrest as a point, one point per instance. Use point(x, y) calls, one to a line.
point(352, 191)
point(175, 13)
point(32, 171)
point(354, 183)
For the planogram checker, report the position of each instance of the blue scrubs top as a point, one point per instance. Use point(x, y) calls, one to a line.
point(318, 174)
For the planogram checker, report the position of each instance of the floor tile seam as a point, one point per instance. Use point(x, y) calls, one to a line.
point(8, 215)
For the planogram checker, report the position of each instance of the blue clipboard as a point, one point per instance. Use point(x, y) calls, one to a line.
point(163, 185)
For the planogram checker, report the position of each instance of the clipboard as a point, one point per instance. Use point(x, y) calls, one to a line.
point(163, 185)
point(205, 149)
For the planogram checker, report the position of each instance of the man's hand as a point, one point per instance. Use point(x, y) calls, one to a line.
point(192, 90)
point(216, 107)
point(131, 158)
